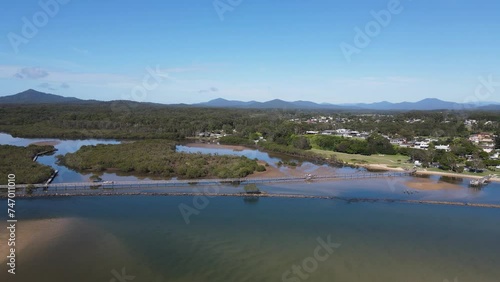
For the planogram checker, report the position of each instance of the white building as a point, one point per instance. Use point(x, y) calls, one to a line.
point(443, 147)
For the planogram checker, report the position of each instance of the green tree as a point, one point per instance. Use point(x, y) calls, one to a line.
point(301, 142)
point(379, 144)
point(448, 161)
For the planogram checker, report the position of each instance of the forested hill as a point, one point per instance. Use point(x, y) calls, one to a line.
point(31, 96)
point(35, 97)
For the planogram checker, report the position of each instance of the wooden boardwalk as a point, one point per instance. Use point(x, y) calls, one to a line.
point(208, 182)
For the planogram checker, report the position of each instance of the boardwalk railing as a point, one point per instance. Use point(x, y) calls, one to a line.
point(206, 182)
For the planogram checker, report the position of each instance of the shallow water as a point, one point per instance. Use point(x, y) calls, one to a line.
point(383, 188)
point(67, 175)
point(231, 239)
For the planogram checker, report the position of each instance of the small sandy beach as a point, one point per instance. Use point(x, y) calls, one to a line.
point(46, 143)
point(289, 171)
point(425, 172)
point(458, 175)
point(270, 172)
point(217, 146)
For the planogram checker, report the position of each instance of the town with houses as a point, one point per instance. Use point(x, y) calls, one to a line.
point(317, 124)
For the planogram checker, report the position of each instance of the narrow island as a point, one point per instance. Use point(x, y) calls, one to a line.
point(157, 158)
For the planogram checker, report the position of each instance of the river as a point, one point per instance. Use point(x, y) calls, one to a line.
point(201, 238)
point(430, 188)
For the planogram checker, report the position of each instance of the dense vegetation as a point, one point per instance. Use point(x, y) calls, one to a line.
point(158, 158)
point(19, 161)
point(374, 144)
point(129, 120)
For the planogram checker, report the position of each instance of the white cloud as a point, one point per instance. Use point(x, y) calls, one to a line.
point(46, 86)
point(211, 89)
point(31, 73)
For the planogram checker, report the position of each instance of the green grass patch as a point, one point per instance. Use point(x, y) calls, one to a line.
point(389, 160)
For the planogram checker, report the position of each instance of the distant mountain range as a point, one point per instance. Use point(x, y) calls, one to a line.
point(35, 97)
point(31, 96)
point(272, 104)
point(426, 104)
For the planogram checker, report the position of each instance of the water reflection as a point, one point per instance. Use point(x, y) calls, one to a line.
point(271, 159)
point(452, 180)
point(251, 200)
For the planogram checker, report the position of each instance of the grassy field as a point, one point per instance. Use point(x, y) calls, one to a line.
point(389, 160)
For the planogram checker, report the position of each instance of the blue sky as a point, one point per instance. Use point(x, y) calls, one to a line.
point(251, 49)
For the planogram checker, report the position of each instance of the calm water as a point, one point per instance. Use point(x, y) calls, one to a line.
point(270, 158)
point(236, 240)
point(249, 239)
point(373, 188)
point(66, 175)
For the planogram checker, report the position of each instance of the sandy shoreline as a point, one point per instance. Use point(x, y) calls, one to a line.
point(46, 143)
point(457, 175)
point(425, 172)
point(217, 146)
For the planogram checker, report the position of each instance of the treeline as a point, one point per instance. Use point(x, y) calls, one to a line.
point(158, 158)
point(19, 161)
point(374, 144)
point(128, 120)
